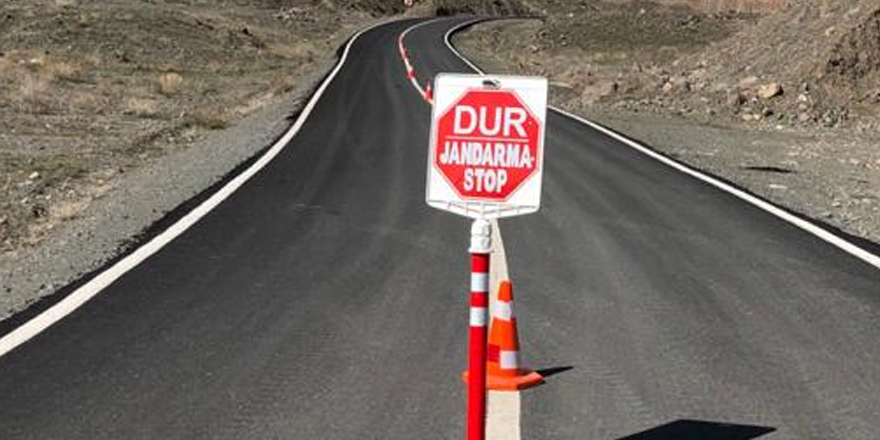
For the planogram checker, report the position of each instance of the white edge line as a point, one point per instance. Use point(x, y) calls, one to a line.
point(807, 226)
point(503, 408)
point(94, 286)
point(503, 412)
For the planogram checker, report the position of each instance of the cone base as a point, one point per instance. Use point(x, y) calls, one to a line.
point(523, 379)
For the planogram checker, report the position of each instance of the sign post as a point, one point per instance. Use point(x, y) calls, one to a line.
point(485, 162)
point(481, 247)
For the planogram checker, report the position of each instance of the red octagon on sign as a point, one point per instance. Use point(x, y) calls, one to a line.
point(487, 144)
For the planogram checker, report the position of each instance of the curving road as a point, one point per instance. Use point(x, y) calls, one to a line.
point(325, 300)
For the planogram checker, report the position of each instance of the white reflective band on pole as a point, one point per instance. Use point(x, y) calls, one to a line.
point(503, 310)
point(478, 316)
point(479, 282)
point(509, 359)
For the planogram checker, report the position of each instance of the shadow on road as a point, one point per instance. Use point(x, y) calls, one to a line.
point(547, 372)
point(700, 430)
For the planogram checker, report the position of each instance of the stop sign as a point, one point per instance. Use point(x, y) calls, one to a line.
point(487, 145)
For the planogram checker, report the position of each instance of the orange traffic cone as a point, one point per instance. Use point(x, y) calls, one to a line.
point(503, 371)
point(429, 94)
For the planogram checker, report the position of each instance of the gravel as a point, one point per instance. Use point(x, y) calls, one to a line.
point(115, 217)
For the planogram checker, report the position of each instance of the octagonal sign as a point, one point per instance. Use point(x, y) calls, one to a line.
point(487, 145)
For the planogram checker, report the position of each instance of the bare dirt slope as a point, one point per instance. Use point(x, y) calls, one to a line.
point(780, 98)
point(93, 88)
point(113, 112)
point(825, 55)
point(482, 7)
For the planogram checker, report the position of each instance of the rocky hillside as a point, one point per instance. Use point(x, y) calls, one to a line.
point(824, 55)
point(547, 8)
point(482, 7)
point(809, 63)
point(817, 61)
point(796, 63)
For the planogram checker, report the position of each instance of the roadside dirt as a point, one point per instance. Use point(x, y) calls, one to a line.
point(93, 89)
point(776, 98)
point(481, 7)
point(114, 112)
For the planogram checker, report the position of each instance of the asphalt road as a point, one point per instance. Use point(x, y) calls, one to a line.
point(324, 299)
point(674, 301)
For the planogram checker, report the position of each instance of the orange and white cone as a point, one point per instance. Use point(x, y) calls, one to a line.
point(503, 369)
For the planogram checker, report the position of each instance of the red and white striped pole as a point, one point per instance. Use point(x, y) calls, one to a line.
point(481, 246)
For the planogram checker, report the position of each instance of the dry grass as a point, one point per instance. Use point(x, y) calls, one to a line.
point(52, 68)
point(60, 69)
point(285, 84)
point(141, 107)
point(32, 82)
point(169, 83)
point(212, 118)
point(32, 93)
point(5, 65)
point(302, 51)
point(33, 86)
point(253, 103)
point(90, 102)
point(68, 209)
point(734, 5)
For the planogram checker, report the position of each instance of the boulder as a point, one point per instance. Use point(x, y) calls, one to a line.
point(677, 85)
point(735, 99)
point(598, 90)
point(769, 90)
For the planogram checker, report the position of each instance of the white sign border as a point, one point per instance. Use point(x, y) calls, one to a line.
point(448, 199)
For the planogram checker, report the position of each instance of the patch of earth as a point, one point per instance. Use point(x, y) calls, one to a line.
point(481, 7)
point(115, 112)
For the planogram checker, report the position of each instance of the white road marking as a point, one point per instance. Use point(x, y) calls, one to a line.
point(805, 225)
point(94, 286)
point(502, 415)
point(504, 407)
